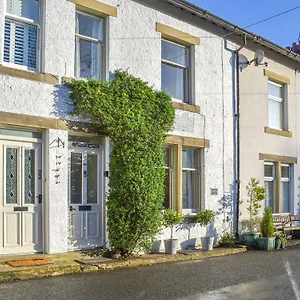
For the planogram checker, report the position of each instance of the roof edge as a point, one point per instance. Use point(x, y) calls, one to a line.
point(236, 30)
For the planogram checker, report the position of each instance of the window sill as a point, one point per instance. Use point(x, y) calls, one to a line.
point(278, 132)
point(41, 77)
point(186, 107)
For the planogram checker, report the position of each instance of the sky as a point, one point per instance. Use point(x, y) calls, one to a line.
point(283, 30)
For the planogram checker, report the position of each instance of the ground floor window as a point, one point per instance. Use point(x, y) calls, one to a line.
point(277, 181)
point(190, 179)
point(168, 165)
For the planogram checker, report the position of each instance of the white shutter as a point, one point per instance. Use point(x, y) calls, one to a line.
point(7, 32)
point(20, 43)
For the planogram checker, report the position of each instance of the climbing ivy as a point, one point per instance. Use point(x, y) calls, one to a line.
point(136, 118)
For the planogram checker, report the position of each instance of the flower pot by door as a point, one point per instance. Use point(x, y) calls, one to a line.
point(171, 246)
point(207, 243)
point(277, 243)
point(250, 237)
point(266, 243)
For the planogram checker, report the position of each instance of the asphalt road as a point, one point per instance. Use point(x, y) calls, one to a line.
point(254, 275)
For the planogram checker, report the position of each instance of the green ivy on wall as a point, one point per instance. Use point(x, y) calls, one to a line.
point(136, 118)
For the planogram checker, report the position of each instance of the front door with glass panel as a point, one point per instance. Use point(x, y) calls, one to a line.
point(86, 198)
point(21, 197)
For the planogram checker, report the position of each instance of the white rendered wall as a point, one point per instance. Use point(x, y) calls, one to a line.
point(56, 206)
point(134, 45)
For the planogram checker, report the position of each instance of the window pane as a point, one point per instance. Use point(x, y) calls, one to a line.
point(29, 176)
point(269, 171)
point(188, 190)
point(174, 53)
point(92, 178)
point(89, 26)
point(166, 152)
point(11, 175)
point(275, 114)
point(24, 8)
point(285, 172)
point(167, 198)
point(188, 159)
point(76, 178)
point(275, 90)
point(89, 57)
point(269, 194)
point(172, 81)
point(285, 195)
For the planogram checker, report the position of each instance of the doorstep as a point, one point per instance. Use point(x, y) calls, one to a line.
point(79, 262)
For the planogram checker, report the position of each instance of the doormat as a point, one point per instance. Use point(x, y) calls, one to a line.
point(29, 262)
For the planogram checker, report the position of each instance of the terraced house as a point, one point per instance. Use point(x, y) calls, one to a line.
point(54, 169)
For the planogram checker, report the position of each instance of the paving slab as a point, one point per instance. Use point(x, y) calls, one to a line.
point(80, 262)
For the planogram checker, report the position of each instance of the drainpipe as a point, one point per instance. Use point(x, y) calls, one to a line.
point(237, 116)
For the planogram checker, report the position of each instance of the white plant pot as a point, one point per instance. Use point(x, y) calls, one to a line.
point(171, 246)
point(207, 243)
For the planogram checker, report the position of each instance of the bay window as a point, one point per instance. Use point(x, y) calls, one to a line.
point(21, 33)
point(89, 46)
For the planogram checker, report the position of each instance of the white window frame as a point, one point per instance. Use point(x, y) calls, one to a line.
point(22, 20)
point(170, 169)
point(101, 43)
point(187, 71)
point(271, 179)
point(284, 179)
point(197, 188)
point(280, 100)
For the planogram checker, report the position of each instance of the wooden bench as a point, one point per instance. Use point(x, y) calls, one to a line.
point(285, 222)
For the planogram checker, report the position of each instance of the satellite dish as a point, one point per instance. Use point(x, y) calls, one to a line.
point(259, 57)
point(243, 61)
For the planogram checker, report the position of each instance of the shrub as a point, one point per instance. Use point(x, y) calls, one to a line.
point(205, 217)
point(227, 240)
point(256, 194)
point(136, 119)
point(171, 218)
point(266, 224)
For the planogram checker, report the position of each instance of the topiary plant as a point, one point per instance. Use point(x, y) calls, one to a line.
point(256, 194)
point(266, 224)
point(136, 118)
point(205, 217)
point(171, 218)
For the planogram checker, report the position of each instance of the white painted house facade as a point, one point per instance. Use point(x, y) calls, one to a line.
point(53, 168)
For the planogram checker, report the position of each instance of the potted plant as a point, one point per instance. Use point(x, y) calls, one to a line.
point(204, 218)
point(267, 239)
point(170, 219)
point(256, 194)
point(281, 240)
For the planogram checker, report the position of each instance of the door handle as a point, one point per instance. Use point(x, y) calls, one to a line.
point(72, 208)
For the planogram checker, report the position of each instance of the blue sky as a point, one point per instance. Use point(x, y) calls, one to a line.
point(283, 30)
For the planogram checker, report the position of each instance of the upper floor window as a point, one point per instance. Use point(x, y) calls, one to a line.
point(89, 46)
point(276, 105)
point(21, 35)
point(175, 70)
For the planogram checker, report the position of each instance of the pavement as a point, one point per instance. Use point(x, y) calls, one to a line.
point(256, 275)
point(83, 262)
